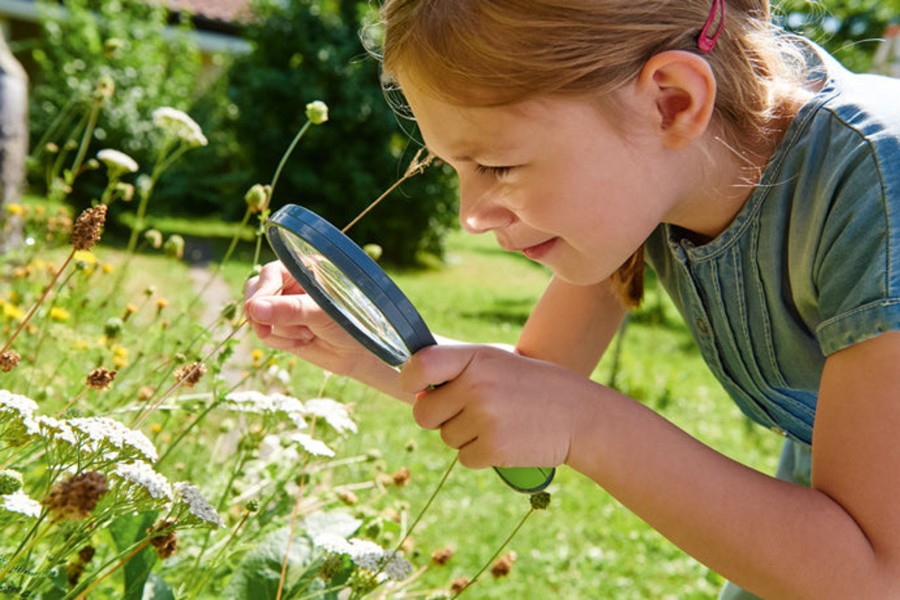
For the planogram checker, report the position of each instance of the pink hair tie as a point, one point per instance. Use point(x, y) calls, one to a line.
point(706, 41)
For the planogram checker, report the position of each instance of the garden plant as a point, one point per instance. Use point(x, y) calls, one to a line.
point(140, 451)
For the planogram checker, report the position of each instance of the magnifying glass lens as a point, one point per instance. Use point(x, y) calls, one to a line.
point(346, 296)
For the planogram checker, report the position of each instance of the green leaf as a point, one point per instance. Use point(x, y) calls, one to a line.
point(259, 573)
point(157, 589)
point(126, 531)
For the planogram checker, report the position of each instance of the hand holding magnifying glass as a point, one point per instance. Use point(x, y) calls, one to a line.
point(359, 296)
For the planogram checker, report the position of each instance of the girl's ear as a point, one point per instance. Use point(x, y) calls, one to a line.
point(683, 89)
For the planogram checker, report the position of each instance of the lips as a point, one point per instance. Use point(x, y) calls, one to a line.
point(539, 251)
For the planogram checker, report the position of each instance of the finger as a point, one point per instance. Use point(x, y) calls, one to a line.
point(289, 310)
point(457, 432)
point(434, 408)
point(435, 365)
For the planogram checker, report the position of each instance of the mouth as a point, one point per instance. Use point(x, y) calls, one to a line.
point(539, 251)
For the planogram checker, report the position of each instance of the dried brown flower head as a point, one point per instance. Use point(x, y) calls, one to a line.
point(503, 565)
point(442, 556)
point(8, 360)
point(190, 375)
point(86, 554)
point(401, 477)
point(459, 584)
point(145, 392)
point(100, 378)
point(76, 497)
point(163, 538)
point(88, 227)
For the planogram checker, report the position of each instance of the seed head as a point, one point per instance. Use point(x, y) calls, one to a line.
point(540, 500)
point(257, 197)
point(401, 477)
point(8, 360)
point(190, 375)
point(174, 246)
point(503, 565)
point(317, 112)
point(75, 498)
point(101, 379)
point(162, 537)
point(442, 556)
point(459, 584)
point(88, 227)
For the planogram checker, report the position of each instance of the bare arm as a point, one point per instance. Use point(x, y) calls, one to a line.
point(839, 539)
point(572, 325)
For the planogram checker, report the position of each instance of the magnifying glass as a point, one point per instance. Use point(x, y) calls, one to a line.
point(348, 285)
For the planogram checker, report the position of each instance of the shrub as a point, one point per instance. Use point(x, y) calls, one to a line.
point(310, 49)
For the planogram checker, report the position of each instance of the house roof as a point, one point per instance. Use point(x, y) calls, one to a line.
point(222, 11)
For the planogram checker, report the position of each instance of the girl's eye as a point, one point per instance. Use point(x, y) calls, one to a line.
point(497, 172)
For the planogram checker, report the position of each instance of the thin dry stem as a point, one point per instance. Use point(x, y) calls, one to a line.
point(415, 167)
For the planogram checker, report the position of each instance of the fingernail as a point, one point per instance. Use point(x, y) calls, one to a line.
point(420, 395)
point(262, 310)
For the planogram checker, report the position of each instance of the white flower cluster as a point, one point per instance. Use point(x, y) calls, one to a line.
point(197, 504)
point(334, 413)
point(312, 445)
point(20, 502)
point(366, 555)
point(56, 430)
point(117, 162)
point(141, 474)
point(258, 403)
point(99, 431)
point(177, 123)
point(17, 406)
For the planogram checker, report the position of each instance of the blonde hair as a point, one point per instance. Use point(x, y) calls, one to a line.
point(497, 52)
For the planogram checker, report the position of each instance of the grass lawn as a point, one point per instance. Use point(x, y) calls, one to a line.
point(586, 545)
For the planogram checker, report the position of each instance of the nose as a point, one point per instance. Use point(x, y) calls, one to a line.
point(481, 210)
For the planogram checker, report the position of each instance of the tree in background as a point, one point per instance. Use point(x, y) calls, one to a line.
point(306, 50)
point(119, 41)
point(850, 29)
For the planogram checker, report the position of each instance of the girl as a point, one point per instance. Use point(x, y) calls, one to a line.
point(758, 178)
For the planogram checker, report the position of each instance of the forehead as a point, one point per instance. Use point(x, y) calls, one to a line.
point(461, 132)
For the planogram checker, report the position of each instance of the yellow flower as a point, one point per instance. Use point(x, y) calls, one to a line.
point(120, 356)
point(58, 313)
point(80, 344)
point(256, 355)
point(107, 268)
point(11, 311)
point(85, 256)
point(15, 209)
point(155, 427)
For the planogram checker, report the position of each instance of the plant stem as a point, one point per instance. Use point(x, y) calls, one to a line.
point(39, 301)
point(490, 561)
point(415, 167)
point(118, 565)
point(285, 156)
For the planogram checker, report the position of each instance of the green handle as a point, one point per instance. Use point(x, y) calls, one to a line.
point(528, 480)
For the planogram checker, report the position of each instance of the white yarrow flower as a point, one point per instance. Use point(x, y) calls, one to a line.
point(56, 430)
point(141, 474)
point(177, 123)
point(117, 162)
point(311, 445)
point(366, 554)
point(19, 502)
point(250, 401)
point(197, 504)
point(16, 405)
point(103, 430)
point(334, 413)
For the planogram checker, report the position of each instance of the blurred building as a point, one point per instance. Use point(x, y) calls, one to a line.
point(887, 58)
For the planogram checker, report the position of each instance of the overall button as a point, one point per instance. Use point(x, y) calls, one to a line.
point(702, 327)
